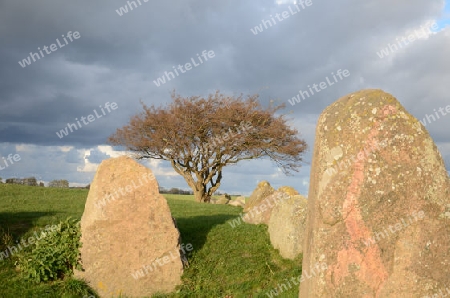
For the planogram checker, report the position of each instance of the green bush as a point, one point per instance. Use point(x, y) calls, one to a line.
point(55, 255)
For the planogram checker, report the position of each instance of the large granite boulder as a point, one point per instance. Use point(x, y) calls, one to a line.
point(241, 199)
point(287, 226)
point(376, 204)
point(235, 203)
point(261, 211)
point(238, 202)
point(288, 190)
point(262, 191)
point(222, 199)
point(130, 242)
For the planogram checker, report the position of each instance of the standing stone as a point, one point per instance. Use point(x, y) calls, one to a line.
point(288, 190)
point(236, 203)
point(376, 204)
point(261, 211)
point(262, 191)
point(241, 199)
point(287, 226)
point(130, 242)
point(223, 199)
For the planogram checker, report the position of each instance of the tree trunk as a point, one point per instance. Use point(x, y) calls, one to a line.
point(201, 195)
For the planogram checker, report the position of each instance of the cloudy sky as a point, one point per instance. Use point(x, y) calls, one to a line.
point(115, 53)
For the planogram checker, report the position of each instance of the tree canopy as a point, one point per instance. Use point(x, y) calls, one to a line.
point(200, 136)
point(59, 183)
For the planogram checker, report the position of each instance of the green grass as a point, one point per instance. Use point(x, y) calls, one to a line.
point(238, 262)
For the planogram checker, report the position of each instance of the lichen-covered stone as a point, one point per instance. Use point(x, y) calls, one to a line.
point(130, 241)
point(241, 199)
point(288, 190)
point(260, 213)
point(376, 204)
point(223, 199)
point(263, 190)
point(287, 226)
point(237, 202)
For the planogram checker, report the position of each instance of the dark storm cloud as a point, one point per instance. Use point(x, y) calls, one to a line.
point(284, 57)
point(117, 58)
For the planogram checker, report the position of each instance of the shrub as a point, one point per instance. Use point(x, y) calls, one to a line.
point(59, 183)
point(53, 256)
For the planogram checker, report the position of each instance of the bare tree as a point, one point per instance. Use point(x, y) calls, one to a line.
point(200, 136)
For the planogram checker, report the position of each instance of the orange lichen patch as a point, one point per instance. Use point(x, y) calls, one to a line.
point(371, 268)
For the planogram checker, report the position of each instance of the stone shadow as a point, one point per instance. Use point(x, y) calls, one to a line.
point(195, 229)
point(19, 223)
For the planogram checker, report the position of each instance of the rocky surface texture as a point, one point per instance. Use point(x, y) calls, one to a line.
point(377, 204)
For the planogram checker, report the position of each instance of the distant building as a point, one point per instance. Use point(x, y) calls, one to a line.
point(23, 181)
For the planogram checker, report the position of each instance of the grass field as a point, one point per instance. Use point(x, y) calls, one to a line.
point(226, 262)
